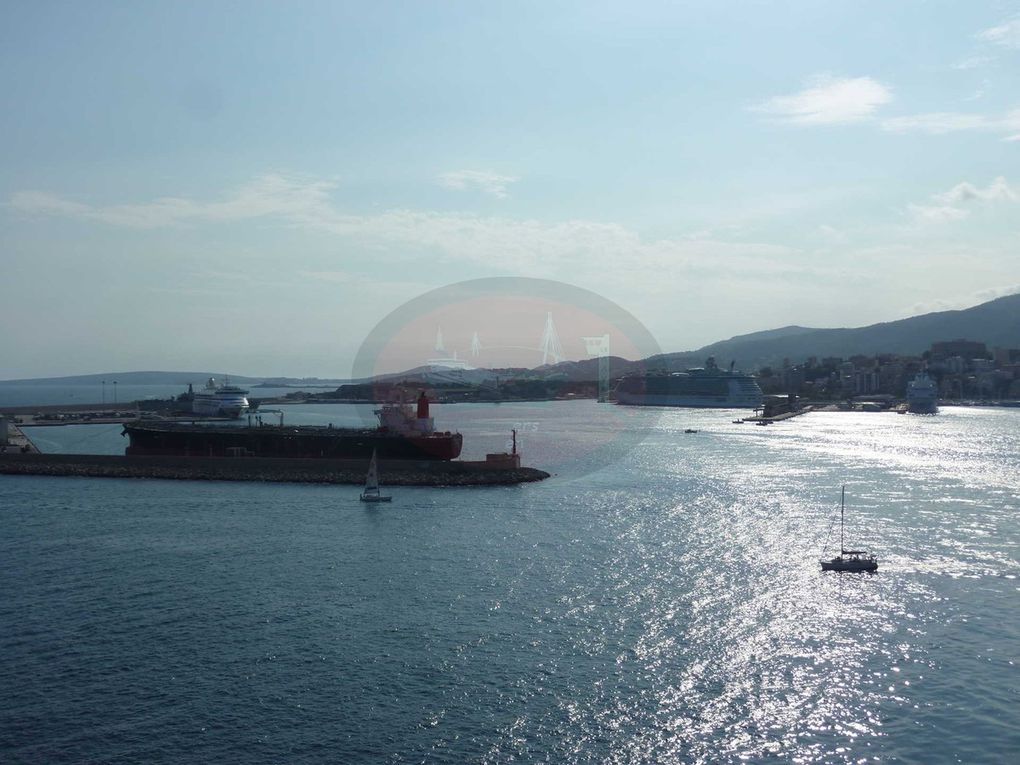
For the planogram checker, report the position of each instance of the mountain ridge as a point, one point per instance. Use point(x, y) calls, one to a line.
point(995, 323)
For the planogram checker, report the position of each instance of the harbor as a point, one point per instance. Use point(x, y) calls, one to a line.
point(411, 451)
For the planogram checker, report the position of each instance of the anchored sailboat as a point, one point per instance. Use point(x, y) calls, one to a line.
point(848, 560)
point(371, 492)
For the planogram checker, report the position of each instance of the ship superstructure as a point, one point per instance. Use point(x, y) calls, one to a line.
point(220, 400)
point(922, 395)
point(702, 387)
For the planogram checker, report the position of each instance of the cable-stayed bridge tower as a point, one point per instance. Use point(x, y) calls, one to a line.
point(550, 345)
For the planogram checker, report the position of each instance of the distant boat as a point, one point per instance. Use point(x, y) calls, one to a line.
point(371, 492)
point(220, 400)
point(690, 430)
point(922, 395)
point(849, 560)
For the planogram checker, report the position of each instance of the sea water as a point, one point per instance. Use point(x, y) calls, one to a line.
point(657, 603)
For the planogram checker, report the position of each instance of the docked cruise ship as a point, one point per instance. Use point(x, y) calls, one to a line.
point(707, 387)
point(922, 395)
point(220, 400)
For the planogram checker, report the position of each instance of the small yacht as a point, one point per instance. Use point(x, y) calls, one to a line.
point(848, 560)
point(371, 492)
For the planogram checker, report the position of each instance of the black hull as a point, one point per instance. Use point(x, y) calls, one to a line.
point(860, 567)
point(303, 442)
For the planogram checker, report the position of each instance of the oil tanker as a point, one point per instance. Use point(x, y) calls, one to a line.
point(404, 433)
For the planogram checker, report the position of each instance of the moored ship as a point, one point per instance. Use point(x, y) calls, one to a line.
point(403, 433)
point(220, 400)
point(707, 387)
point(922, 395)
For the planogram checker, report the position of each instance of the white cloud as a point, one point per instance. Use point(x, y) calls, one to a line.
point(1007, 34)
point(953, 205)
point(563, 249)
point(937, 213)
point(983, 296)
point(488, 183)
point(268, 195)
point(974, 62)
point(966, 301)
point(965, 192)
point(936, 123)
point(829, 101)
point(940, 123)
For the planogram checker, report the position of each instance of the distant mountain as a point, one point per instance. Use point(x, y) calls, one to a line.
point(996, 323)
point(587, 369)
point(136, 378)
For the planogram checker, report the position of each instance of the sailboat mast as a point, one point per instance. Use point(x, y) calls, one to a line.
point(842, 505)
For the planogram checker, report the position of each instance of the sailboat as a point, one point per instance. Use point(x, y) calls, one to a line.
point(371, 492)
point(848, 560)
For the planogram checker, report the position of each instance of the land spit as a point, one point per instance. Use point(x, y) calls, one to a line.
point(391, 472)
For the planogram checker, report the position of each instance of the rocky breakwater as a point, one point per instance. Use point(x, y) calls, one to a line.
point(391, 473)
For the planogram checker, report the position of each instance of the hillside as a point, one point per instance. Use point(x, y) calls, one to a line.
point(996, 323)
point(135, 378)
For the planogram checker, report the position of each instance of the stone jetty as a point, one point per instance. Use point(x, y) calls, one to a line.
point(391, 473)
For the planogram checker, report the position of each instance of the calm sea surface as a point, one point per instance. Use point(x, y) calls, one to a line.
point(657, 603)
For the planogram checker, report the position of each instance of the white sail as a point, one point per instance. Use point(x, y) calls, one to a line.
point(371, 492)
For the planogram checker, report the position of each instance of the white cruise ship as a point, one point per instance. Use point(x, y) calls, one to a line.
point(708, 387)
point(220, 400)
point(922, 395)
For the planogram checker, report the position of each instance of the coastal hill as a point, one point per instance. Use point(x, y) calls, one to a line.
point(995, 323)
point(136, 378)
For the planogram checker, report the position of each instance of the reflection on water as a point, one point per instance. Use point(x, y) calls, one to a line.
point(668, 607)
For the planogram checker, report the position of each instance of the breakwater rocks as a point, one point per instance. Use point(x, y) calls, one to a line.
point(391, 473)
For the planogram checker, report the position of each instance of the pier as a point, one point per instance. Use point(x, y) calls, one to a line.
point(268, 469)
point(780, 417)
point(13, 439)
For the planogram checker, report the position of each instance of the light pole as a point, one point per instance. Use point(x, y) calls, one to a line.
point(114, 391)
point(104, 391)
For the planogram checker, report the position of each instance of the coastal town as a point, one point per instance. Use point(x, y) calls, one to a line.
point(963, 370)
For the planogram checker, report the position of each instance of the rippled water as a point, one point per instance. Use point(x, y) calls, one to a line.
point(664, 607)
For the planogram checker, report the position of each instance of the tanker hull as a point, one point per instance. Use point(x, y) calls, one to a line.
point(303, 442)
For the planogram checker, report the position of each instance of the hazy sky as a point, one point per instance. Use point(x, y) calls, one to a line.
point(250, 187)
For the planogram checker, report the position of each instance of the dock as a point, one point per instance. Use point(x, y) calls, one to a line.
point(268, 469)
point(14, 440)
point(780, 417)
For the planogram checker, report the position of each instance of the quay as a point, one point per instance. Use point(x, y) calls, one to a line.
point(269, 469)
point(782, 416)
point(12, 439)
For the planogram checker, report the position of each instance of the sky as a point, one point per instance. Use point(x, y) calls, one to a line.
point(253, 186)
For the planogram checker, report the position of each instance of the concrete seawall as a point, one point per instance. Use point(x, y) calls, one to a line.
point(391, 473)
